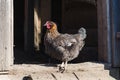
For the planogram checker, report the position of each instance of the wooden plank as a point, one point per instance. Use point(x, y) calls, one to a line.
point(4, 73)
point(106, 31)
point(93, 75)
point(6, 34)
point(64, 76)
point(45, 76)
point(104, 41)
point(100, 31)
point(5, 77)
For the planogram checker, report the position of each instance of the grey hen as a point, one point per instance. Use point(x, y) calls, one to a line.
point(63, 47)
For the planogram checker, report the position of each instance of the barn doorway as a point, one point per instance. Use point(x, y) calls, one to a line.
point(71, 15)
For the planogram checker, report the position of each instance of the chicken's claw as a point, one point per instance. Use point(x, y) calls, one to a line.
point(61, 69)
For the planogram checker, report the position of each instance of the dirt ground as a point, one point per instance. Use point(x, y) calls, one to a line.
point(79, 71)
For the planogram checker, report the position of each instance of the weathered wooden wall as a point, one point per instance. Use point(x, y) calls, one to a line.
point(6, 34)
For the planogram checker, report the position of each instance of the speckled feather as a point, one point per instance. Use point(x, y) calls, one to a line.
point(64, 47)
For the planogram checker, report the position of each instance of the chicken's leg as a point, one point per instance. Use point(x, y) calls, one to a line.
point(66, 64)
point(62, 67)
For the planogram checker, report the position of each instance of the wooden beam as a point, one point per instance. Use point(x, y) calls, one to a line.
point(6, 34)
point(104, 40)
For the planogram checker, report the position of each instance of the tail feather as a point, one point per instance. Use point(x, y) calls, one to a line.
point(82, 32)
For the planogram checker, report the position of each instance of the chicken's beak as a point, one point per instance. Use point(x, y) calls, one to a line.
point(45, 24)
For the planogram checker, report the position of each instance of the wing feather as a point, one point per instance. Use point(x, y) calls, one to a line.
point(64, 42)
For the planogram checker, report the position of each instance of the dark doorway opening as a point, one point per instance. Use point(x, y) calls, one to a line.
point(19, 24)
point(19, 11)
point(69, 16)
point(56, 12)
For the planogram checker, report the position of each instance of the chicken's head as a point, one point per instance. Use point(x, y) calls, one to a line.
point(50, 25)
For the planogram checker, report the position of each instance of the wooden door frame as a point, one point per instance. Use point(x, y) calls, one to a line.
point(6, 34)
point(104, 31)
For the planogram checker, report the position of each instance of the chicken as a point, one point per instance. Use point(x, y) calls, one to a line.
point(63, 47)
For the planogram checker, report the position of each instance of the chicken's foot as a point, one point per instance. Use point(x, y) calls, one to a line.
point(63, 66)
